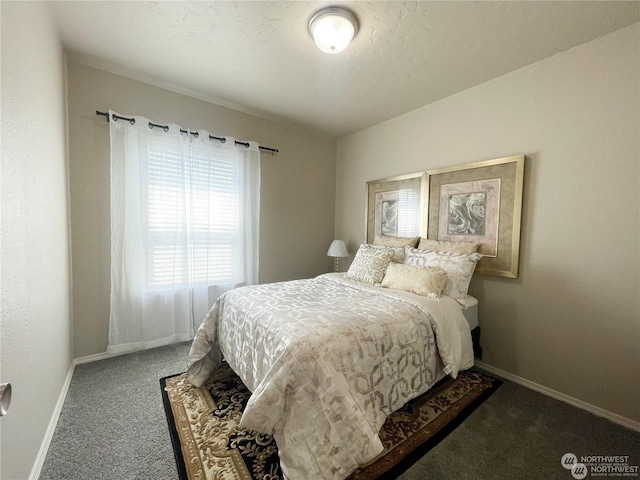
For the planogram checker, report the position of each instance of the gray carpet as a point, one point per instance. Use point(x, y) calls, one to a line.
point(113, 426)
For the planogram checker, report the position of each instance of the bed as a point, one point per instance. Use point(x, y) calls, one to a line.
point(328, 359)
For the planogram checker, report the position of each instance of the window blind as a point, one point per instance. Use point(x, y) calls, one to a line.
point(196, 197)
point(408, 213)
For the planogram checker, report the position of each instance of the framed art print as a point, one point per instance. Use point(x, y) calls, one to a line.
point(480, 203)
point(395, 206)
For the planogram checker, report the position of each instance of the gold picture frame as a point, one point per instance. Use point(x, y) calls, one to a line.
point(395, 206)
point(479, 202)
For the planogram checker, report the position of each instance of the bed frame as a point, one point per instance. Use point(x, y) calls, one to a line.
point(475, 340)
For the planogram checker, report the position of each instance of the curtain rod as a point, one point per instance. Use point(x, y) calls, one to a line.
point(132, 121)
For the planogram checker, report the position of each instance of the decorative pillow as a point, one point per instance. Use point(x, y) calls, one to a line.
point(370, 264)
point(462, 247)
point(425, 281)
point(459, 268)
point(397, 243)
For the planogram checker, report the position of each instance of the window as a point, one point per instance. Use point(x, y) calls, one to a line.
point(408, 211)
point(193, 215)
point(184, 229)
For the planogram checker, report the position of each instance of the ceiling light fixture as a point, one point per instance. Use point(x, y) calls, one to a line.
point(333, 29)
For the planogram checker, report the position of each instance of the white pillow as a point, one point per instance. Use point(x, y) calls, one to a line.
point(370, 264)
point(425, 281)
point(459, 267)
point(440, 245)
point(397, 243)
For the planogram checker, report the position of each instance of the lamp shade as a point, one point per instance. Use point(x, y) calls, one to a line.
point(338, 249)
point(333, 29)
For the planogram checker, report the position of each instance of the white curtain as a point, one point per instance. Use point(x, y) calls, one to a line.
point(184, 229)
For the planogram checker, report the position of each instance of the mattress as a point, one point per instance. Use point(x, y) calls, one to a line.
point(471, 312)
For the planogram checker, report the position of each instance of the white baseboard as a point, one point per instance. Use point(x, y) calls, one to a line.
point(95, 357)
point(601, 412)
point(104, 355)
point(51, 428)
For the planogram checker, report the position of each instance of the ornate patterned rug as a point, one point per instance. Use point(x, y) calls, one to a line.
point(208, 442)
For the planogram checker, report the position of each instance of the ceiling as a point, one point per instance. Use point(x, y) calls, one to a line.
point(258, 56)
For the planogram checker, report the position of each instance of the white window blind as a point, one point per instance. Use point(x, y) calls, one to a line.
point(199, 200)
point(408, 213)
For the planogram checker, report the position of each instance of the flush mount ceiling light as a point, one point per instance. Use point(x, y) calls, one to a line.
point(333, 29)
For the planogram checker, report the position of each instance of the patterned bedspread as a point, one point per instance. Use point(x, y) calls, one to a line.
point(327, 360)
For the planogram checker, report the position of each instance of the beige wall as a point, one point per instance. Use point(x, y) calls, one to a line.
point(297, 199)
point(571, 322)
point(36, 305)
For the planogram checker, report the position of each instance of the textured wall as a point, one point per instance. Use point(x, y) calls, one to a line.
point(571, 320)
point(297, 199)
point(36, 321)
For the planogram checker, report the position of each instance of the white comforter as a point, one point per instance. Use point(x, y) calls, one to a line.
point(327, 360)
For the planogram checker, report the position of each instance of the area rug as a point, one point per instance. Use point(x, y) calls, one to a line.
point(209, 444)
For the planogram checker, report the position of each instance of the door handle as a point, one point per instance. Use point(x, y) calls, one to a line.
point(5, 398)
